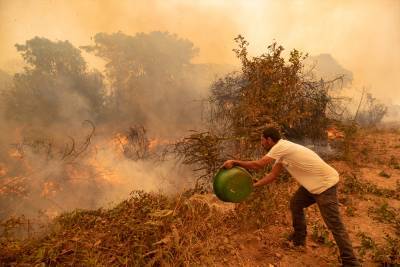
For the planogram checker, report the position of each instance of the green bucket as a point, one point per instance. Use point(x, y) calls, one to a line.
point(232, 185)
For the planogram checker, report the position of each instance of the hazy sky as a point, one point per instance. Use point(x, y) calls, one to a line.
point(363, 36)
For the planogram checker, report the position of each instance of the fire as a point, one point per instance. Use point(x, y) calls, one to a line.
point(49, 189)
point(103, 161)
point(15, 153)
point(120, 140)
point(13, 185)
point(105, 164)
point(155, 142)
point(334, 133)
point(104, 170)
point(3, 170)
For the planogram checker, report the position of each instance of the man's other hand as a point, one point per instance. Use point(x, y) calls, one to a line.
point(229, 164)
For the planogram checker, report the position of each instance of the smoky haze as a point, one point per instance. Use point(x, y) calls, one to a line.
point(364, 36)
point(76, 138)
point(189, 44)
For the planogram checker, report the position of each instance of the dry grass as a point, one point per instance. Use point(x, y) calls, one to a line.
point(146, 230)
point(188, 230)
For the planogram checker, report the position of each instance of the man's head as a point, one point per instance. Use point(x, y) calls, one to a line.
point(270, 136)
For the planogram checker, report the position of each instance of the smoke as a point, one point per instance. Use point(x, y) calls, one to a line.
point(78, 21)
point(51, 162)
point(100, 178)
point(363, 36)
point(149, 175)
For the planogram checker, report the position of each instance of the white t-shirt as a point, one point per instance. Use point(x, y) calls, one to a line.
point(305, 166)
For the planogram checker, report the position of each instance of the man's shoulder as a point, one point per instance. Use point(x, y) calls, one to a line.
point(287, 146)
point(280, 147)
point(284, 142)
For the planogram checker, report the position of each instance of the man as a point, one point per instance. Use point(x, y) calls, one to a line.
point(318, 184)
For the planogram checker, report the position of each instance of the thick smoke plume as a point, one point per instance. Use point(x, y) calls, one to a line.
point(77, 138)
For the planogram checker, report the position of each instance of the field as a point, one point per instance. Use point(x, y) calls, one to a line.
point(192, 229)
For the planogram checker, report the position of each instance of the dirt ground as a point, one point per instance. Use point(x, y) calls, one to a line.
point(268, 246)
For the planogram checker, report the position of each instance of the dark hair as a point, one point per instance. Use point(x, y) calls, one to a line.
point(272, 133)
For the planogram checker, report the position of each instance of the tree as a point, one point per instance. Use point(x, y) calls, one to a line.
point(142, 55)
point(149, 75)
point(55, 84)
point(371, 113)
point(270, 91)
point(52, 58)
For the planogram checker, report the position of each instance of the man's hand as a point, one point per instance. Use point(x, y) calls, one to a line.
point(255, 182)
point(229, 164)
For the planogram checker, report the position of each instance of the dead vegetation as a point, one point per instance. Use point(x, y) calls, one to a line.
point(146, 230)
point(202, 151)
point(192, 229)
point(49, 176)
point(268, 91)
point(154, 230)
point(195, 229)
point(134, 143)
point(370, 157)
point(20, 180)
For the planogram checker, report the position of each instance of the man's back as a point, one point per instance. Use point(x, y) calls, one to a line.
point(305, 166)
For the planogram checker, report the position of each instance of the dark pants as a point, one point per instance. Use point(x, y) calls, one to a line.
point(328, 205)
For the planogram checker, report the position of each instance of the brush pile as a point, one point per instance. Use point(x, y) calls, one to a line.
point(146, 230)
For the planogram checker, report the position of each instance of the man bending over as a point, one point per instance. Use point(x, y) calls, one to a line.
point(318, 184)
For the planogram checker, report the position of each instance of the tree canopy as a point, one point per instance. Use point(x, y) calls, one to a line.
point(150, 76)
point(270, 90)
point(55, 84)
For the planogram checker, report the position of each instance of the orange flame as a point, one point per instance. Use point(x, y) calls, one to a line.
point(334, 133)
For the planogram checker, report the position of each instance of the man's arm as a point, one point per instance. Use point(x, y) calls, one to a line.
point(253, 164)
point(270, 177)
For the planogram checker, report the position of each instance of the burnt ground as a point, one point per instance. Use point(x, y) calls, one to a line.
point(200, 230)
